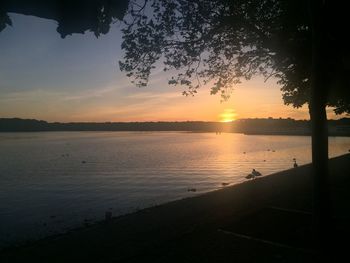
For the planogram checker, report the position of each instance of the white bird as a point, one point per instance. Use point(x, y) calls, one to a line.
point(253, 174)
point(256, 173)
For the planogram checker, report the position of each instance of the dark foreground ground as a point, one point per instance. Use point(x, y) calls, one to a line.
point(263, 220)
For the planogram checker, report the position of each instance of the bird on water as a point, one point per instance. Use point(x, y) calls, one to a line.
point(295, 163)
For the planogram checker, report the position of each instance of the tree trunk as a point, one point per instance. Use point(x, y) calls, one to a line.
point(318, 100)
point(321, 184)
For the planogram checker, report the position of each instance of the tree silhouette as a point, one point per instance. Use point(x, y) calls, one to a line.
point(75, 16)
point(222, 42)
point(227, 41)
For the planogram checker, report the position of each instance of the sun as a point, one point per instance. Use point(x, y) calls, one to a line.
point(228, 115)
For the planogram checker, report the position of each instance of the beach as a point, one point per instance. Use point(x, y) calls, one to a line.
point(267, 219)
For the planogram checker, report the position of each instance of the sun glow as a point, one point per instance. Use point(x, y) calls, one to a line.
point(228, 115)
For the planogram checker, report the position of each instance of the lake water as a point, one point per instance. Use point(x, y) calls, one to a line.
point(51, 182)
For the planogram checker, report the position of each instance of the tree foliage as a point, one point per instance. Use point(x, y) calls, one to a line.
point(222, 42)
point(72, 16)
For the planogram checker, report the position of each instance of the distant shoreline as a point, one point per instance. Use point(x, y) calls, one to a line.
point(267, 126)
point(151, 131)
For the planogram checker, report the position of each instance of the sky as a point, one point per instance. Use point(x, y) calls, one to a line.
point(78, 79)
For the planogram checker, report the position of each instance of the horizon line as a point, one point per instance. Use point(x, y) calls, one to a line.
point(166, 121)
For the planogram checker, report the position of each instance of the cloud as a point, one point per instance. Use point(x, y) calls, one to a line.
point(29, 95)
point(89, 94)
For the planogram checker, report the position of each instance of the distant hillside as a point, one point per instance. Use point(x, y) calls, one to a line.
point(273, 126)
point(268, 126)
point(16, 124)
point(24, 125)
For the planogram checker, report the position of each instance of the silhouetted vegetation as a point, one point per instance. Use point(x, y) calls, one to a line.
point(301, 43)
point(267, 126)
point(221, 43)
point(16, 124)
point(75, 16)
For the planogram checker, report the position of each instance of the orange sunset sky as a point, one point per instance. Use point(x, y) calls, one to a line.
point(78, 79)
